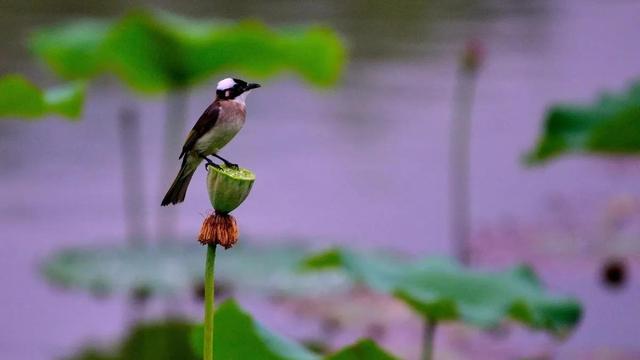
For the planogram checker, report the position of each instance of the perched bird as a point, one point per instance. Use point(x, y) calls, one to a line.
point(219, 123)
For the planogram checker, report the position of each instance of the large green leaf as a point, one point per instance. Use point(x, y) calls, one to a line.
point(609, 126)
point(238, 336)
point(362, 350)
point(74, 51)
point(160, 340)
point(21, 98)
point(155, 52)
point(441, 290)
point(176, 268)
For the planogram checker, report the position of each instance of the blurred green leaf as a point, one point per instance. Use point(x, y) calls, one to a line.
point(364, 349)
point(21, 98)
point(160, 340)
point(239, 336)
point(169, 339)
point(74, 51)
point(609, 126)
point(156, 52)
point(176, 268)
point(441, 290)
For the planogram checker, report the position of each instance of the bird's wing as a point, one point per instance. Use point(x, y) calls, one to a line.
point(206, 121)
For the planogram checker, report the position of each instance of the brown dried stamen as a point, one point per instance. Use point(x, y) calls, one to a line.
point(220, 229)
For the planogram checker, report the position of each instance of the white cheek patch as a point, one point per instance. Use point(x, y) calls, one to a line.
point(226, 84)
point(242, 97)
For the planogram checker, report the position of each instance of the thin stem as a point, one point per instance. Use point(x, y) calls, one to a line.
point(428, 337)
point(174, 131)
point(459, 164)
point(133, 191)
point(209, 299)
point(133, 194)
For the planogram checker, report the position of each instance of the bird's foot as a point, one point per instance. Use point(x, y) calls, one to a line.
point(210, 163)
point(206, 166)
point(231, 165)
point(227, 163)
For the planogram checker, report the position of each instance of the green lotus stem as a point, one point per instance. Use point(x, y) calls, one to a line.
point(428, 337)
point(228, 188)
point(209, 301)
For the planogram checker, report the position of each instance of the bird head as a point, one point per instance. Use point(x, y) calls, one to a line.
point(234, 89)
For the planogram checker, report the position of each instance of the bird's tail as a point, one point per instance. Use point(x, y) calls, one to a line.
point(178, 189)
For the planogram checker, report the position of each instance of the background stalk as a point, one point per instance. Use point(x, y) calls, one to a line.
point(209, 301)
point(428, 337)
point(133, 195)
point(459, 152)
point(131, 161)
point(174, 133)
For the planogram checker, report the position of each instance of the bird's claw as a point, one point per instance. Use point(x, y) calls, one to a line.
point(216, 166)
point(231, 165)
point(210, 163)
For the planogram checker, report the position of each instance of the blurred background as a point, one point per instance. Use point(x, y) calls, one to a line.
point(363, 164)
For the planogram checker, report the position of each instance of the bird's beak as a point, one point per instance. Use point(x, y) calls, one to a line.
point(252, 86)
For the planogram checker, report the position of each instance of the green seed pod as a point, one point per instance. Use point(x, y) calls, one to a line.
point(228, 187)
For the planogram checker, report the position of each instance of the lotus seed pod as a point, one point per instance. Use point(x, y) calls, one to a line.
point(228, 187)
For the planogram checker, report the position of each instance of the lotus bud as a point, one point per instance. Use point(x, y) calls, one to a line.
point(473, 55)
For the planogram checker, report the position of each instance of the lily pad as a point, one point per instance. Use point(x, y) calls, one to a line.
point(156, 52)
point(74, 51)
point(159, 340)
point(441, 290)
point(238, 336)
point(21, 98)
point(364, 349)
point(177, 268)
point(608, 126)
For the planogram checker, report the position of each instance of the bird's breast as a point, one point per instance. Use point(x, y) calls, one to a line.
point(230, 121)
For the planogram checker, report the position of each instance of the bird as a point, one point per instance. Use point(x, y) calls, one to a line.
point(217, 125)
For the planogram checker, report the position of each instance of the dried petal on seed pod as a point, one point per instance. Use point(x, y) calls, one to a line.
point(220, 229)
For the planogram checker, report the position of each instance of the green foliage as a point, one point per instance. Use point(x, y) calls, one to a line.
point(175, 268)
point(73, 51)
point(441, 290)
point(609, 126)
point(364, 349)
point(21, 98)
point(160, 340)
point(156, 52)
point(238, 336)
